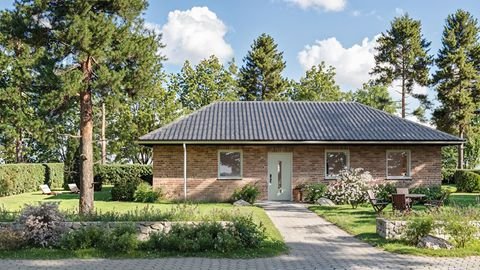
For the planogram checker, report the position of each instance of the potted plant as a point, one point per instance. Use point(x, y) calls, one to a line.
point(298, 192)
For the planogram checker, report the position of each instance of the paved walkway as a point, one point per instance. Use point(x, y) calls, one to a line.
point(314, 244)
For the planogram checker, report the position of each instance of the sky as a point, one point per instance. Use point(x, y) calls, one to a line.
point(340, 32)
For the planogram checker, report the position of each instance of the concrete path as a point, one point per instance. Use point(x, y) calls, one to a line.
point(314, 244)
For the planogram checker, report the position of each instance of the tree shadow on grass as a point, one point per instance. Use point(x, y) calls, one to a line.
point(103, 195)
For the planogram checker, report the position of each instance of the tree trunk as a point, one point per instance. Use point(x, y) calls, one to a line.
point(460, 151)
point(403, 97)
point(19, 147)
point(86, 147)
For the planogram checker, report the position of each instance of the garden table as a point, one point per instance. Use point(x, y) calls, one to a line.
point(415, 197)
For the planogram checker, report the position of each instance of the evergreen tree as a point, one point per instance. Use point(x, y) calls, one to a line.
point(458, 76)
point(260, 77)
point(318, 84)
point(101, 48)
point(403, 55)
point(205, 83)
point(376, 96)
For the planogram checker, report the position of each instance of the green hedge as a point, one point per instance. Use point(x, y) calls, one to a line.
point(124, 177)
point(54, 175)
point(467, 180)
point(20, 178)
point(114, 173)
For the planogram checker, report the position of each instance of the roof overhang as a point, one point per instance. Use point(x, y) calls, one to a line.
point(152, 142)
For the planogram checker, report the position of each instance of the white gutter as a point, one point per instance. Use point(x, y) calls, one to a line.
point(185, 171)
point(303, 142)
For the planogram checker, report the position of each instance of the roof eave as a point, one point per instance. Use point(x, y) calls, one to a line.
point(157, 142)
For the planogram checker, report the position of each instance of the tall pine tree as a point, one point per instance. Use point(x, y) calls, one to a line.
point(403, 56)
point(260, 77)
point(96, 47)
point(458, 76)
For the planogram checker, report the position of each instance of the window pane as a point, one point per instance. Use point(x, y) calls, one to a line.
point(336, 161)
point(279, 175)
point(230, 164)
point(397, 164)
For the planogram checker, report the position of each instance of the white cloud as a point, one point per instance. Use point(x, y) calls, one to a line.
point(352, 64)
point(193, 35)
point(327, 5)
point(399, 11)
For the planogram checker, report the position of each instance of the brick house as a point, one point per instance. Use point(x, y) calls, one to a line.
point(279, 145)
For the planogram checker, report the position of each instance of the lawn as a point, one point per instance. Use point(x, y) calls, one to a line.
point(360, 222)
point(273, 246)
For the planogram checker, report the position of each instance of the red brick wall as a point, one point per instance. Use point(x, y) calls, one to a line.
point(308, 166)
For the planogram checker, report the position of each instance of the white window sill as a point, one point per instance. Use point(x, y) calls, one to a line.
point(230, 178)
point(399, 178)
point(332, 177)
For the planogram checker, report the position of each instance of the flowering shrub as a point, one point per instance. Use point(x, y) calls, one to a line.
point(384, 191)
point(314, 191)
point(350, 188)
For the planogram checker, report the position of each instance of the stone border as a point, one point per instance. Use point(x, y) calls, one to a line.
point(144, 228)
point(394, 229)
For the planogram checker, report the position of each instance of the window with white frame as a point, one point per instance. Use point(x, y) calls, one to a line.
point(398, 164)
point(230, 164)
point(335, 161)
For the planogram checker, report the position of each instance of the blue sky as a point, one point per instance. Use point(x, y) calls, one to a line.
point(339, 32)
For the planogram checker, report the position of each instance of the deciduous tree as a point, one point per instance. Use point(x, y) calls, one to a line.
point(318, 84)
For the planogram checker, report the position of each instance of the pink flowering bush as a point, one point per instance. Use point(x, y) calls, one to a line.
point(350, 187)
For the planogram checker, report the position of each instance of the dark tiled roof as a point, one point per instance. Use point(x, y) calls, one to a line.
point(294, 121)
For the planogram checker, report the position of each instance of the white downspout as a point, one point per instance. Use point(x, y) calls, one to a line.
point(185, 171)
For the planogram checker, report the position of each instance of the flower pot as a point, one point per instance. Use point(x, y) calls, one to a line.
point(297, 195)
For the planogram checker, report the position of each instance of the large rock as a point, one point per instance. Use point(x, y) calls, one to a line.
point(241, 203)
point(434, 243)
point(325, 202)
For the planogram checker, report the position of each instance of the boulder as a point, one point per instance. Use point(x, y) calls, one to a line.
point(241, 203)
point(325, 202)
point(434, 243)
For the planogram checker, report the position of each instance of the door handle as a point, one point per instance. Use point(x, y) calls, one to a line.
point(270, 181)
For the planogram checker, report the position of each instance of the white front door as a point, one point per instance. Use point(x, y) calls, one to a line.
point(279, 176)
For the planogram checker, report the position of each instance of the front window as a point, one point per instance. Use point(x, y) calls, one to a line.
point(398, 164)
point(335, 161)
point(229, 164)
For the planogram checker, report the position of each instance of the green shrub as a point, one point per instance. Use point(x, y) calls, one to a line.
point(11, 239)
point(431, 193)
point(83, 238)
point(383, 191)
point(417, 228)
point(458, 223)
point(313, 192)
point(54, 175)
point(248, 193)
point(122, 238)
point(467, 181)
point(42, 224)
point(20, 178)
point(145, 193)
point(208, 236)
point(125, 190)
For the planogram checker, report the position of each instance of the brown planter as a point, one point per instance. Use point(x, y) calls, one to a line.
point(297, 195)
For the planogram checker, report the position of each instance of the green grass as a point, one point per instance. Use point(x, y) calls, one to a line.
point(274, 245)
point(360, 222)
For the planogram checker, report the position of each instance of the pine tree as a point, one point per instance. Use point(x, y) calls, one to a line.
point(458, 76)
point(260, 77)
point(101, 48)
point(376, 96)
point(403, 55)
point(204, 83)
point(318, 84)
